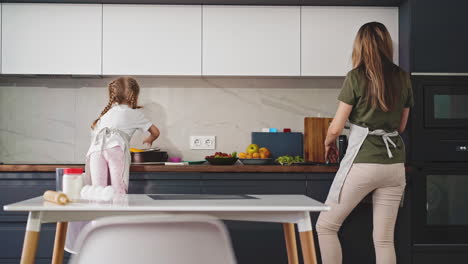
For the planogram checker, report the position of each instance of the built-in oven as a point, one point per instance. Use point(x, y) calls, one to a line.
point(439, 124)
point(440, 206)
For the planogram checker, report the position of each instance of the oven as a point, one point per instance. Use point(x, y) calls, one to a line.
point(440, 206)
point(439, 124)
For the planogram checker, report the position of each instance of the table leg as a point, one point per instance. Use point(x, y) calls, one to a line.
point(59, 244)
point(291, 245)
point(31, 238)
point(307, 240)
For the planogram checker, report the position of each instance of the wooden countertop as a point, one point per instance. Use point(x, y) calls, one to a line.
point(170, 168)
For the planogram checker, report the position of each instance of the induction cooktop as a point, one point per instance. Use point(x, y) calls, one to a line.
point(200, 196)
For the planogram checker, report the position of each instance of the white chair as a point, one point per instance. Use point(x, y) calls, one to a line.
point(165, 239)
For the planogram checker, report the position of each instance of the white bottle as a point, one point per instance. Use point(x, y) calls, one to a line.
point(72, 182)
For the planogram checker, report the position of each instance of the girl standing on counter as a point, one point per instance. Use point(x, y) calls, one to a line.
point(108, 157)
point(376, 97)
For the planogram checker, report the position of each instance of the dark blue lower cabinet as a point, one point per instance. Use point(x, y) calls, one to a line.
point(164, 183)
point(14, 190)
point(12, 237)
point(255, 242)
point(16, 187)
point(253, 187)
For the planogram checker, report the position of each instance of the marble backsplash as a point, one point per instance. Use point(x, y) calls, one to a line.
point(46, 120)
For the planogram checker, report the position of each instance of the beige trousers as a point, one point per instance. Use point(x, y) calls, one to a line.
point(387, 182)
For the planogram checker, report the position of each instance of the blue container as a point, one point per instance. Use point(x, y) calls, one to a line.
point(280, 143)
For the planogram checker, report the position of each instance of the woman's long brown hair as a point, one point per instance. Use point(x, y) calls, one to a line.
point(373, 52)
point(123, 90)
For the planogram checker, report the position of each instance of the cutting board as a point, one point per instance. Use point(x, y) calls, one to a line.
point(315, 132)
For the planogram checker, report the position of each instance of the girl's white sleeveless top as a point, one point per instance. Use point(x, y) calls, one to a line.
point(122, 118)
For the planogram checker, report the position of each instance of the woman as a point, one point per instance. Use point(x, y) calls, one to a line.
point(376, 97)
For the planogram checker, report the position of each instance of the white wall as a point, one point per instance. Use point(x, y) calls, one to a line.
point(47, 120)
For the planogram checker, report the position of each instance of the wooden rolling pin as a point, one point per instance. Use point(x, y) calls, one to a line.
point(56, 197)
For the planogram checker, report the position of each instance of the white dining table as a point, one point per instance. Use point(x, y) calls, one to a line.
point(289, 210)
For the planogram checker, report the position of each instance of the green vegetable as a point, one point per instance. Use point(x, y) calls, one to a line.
point(234, 154)
point(289, 160)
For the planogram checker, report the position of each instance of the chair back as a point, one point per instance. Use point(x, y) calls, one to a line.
point(165, 239)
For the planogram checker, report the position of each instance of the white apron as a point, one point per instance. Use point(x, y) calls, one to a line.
point(357, 135)
point(100, 139)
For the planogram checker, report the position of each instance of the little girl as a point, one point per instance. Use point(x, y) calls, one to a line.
point(108, 157)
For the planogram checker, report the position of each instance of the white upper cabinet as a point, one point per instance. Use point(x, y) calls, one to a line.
point(94, 39)
point(328, 34)
point(251, 40)
point(51, 39)
point(152, 40)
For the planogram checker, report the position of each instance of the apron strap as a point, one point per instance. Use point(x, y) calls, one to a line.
point(102, 136)
point(386, 139)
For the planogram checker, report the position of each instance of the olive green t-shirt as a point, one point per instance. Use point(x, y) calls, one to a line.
point(373, 149)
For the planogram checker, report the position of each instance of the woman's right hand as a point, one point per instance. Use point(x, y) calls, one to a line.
point(331, 152)
point(334, 131)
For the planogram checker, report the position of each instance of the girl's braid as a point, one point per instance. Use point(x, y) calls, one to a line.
point(112, 100)
point(132, 96)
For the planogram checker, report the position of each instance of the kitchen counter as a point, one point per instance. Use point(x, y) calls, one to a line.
point(172, 168)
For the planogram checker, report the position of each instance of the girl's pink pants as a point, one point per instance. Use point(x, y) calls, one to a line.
point(107, 168)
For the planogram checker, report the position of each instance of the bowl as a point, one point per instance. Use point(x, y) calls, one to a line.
point(175, 159)
point(221, 161)
point(256, 161)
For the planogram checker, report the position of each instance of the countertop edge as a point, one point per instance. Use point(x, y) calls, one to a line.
point(190, 168)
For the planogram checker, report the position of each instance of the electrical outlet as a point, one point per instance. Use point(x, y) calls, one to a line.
point(202, 142)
